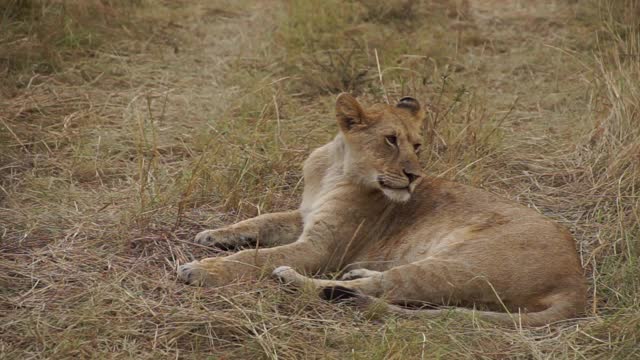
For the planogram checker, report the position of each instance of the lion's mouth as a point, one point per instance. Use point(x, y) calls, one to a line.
point(391, 187)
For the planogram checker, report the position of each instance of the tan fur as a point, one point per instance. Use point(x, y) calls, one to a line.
point(367, 209)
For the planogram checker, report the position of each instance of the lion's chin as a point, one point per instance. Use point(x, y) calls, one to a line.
point(397, 195)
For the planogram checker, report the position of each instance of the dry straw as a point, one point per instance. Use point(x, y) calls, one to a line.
point(127, 127)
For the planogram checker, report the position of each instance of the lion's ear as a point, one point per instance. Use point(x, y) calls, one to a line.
point(349, 112)
point(413, 106)
point(410, 104)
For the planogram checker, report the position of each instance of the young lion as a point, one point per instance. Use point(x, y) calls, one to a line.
point(368, 210)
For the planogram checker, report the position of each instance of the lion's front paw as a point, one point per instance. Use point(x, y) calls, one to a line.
point(213, 272)
point(289, 276)
point(192, 273)
point(223, 239)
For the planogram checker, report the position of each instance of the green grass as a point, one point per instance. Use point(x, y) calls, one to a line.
point(127, 127)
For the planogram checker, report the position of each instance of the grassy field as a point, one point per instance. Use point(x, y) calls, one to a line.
point(126, 127)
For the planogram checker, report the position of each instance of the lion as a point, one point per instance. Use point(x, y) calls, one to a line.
point(422, 244)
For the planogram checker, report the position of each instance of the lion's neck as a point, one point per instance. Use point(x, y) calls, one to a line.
point(338, 153)
point(343, 168)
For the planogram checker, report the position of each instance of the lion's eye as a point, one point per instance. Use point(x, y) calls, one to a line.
point(391, 140)
point(416, 147)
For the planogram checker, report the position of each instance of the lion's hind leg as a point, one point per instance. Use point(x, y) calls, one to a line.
point(359, 274)
point(430, 282)
point(359, 287)
point(426, 282)
point(369, 285)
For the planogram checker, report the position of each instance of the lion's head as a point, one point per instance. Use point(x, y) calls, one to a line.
point(382, 144)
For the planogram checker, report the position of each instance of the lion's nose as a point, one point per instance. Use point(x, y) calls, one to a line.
point(411, 176)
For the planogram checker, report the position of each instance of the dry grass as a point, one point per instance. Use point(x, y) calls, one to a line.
point(136, 124)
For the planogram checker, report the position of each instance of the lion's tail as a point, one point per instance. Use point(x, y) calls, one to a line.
point(561, 309)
